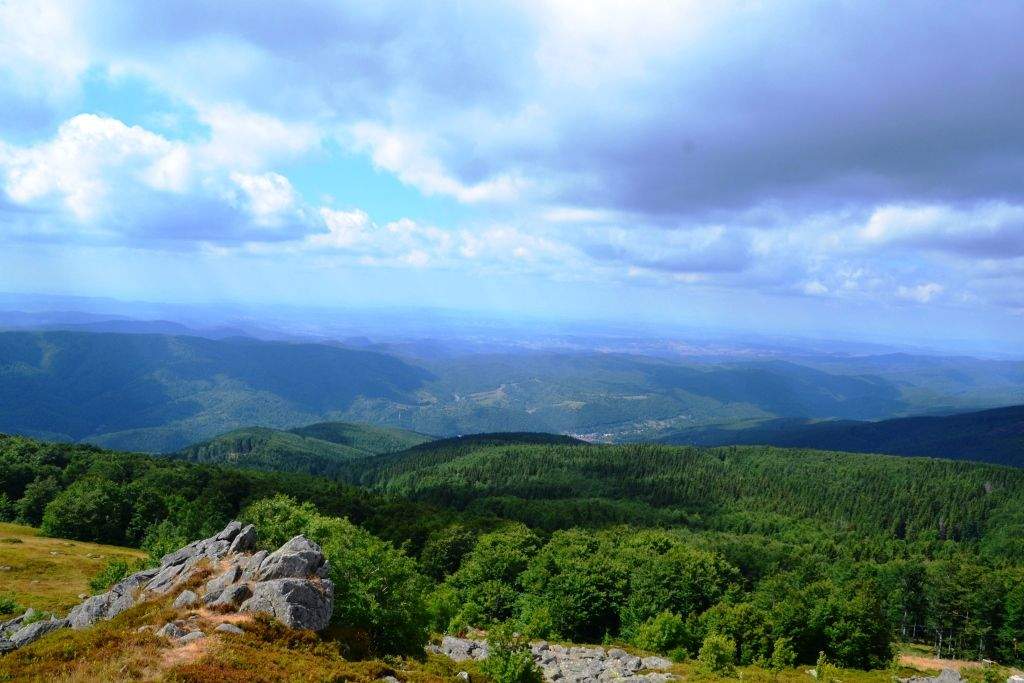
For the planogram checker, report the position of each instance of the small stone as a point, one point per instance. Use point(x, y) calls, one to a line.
point(193, 636)
point(171, 630)
point(462, 676)
point(229, 628)
point(186, 600)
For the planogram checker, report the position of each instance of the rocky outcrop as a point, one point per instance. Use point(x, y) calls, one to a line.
point(291, 584)
point(570, 664)
point(945, 676)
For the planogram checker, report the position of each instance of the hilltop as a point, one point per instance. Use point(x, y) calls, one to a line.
point(995, 436)
point(313, 449)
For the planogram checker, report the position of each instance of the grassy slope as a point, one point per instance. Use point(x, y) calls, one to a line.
point(995, 436)
point(50, 573)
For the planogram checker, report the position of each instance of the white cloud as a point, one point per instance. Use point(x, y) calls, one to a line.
point(408, 157)
point(991, 229)
point(269, 196)
point(922, 293)
point(345, 229)
point(86, 161)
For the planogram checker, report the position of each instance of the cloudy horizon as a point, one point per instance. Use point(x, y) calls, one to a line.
point(789, 166)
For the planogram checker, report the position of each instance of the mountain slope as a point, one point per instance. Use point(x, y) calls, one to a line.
point(995, 436)
point(316, 449)
point(159, 393)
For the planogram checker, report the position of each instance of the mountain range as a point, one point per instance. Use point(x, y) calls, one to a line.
point(164, 392)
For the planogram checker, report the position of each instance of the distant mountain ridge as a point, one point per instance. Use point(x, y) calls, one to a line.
point(994, 436)
point(160, 393)
point(317, 449)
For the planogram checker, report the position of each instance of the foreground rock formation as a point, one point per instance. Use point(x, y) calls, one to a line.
point(570, 664)
point(221, 574)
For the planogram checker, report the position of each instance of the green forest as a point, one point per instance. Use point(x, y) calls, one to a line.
point(774, 555)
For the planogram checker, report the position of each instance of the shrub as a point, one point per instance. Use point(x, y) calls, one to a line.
point(88, 510)
point(36, 497)
point(443, 552)
point(783, 655)
point(377, 588)
point(717, 654)
point(442, 605)
point(7, 511)
point(661, 634)
point(8, 605)
point(825, 671)
point(509, 659)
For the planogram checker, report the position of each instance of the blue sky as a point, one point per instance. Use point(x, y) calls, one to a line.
point(793, 167)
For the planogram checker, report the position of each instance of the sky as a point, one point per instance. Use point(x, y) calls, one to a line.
point(850, 168)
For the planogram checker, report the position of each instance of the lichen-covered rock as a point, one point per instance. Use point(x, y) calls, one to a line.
point(171, 630)
point(656, 663)
point(297, 603)
point(244, 541)
point(232, 596)
point(219, 583)
point(945, 676)
point(191, 636)
point(290, 584)
point(253, 565)
point(186, 600)
point(574, 664)
point(298, 558)
point(33, 632)
point(229, 532)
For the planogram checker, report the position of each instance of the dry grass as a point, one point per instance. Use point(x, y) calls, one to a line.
point(50, 573)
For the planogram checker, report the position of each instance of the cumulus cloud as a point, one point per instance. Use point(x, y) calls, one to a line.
point(991, 230)
point(98, 178)
point(854, 150)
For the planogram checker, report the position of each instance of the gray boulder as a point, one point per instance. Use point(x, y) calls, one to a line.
point(244, 541)
point(229, 628)
point(232, 596)
point(219, 583)
point(191, 636)
point(171, 630)
point(253, 565)
point(33, 632)
point(186, 599)
point(297, 603)
point(181, 555)
point(298, 558)
point(945, 676)
point(229, 532)
point(215, 550)
point(656, 663)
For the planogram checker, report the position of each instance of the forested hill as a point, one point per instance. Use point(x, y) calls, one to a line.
point(904, 497)
point(159, 393)
point(657, 546)
point(314, 449)
point(995, 436)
